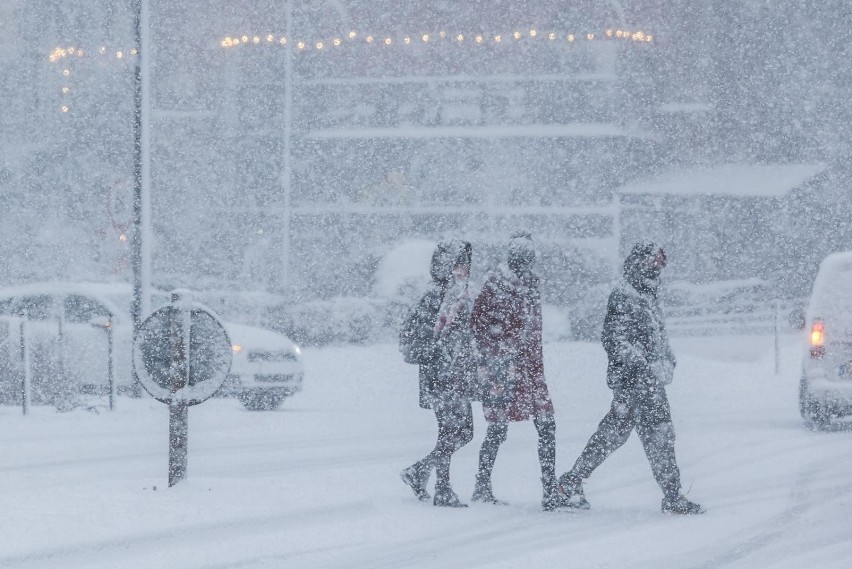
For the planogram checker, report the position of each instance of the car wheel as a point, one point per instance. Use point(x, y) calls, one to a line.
point(815, 413)
point(818, 416)
point(803, 398)
point(261, 400)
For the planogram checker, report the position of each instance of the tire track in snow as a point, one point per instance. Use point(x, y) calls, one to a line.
point(137, 546)
point(768, 532)
point(263, 450)
point(480, 542)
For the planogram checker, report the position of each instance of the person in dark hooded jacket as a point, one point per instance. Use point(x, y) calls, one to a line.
point(447, 368)
point(640, 365)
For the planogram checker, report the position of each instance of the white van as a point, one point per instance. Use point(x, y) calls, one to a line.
point(825, 390)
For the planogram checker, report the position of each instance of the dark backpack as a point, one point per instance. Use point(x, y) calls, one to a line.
point(417, 333)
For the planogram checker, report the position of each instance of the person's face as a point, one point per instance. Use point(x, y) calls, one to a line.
point(461, 272)
point(655, 265)
point(658, 263)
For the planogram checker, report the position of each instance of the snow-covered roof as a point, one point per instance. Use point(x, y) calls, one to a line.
point(574, 130)
point(685, 108)
point(736, 180)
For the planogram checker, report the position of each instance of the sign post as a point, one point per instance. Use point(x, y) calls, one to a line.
point(26, 380)
point(182, 357)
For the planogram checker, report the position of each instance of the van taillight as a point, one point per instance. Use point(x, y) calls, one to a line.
point(818, 339)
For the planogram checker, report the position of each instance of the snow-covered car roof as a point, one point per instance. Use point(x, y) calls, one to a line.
point(258, 338)
point(61, 287)
point(116, 297)
point(108, 293)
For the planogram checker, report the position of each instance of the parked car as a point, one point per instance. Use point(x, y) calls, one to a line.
point(66, 325)
point(825, 390)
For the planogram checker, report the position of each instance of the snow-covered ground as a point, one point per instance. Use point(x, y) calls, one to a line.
point(316, 483)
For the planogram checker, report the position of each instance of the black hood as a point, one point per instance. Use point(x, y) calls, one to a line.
point(447, 255)
point(521, 259)
point(637, 267)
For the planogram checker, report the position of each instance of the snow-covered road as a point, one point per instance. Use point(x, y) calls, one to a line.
point(316, 484)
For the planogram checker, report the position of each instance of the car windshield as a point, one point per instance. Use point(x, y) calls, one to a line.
point(80, 308)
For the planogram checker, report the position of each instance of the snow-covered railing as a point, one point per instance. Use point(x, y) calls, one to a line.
point(15, 359)
point(765, 317)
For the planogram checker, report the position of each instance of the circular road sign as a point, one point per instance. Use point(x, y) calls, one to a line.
point(157, 349)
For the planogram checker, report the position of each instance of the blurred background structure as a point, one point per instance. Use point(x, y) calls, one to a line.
point(295, 145)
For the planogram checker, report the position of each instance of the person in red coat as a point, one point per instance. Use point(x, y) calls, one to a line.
point(506, 323)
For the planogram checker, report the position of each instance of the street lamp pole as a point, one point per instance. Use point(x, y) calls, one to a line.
point(288, 133)
point(141, 257)
point(617, 231)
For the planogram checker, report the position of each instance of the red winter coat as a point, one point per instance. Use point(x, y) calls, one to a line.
point(506, 322)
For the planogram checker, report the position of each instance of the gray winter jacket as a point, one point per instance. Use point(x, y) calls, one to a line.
point(634, 334)
point(448, 370)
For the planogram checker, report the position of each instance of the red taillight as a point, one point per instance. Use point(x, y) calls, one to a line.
point(818, 339)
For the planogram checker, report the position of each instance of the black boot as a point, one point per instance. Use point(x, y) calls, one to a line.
point(571, 488)
point(415, 478)
point(552, 499)
point(446, 498)
point(680, 505)
point(482, 493)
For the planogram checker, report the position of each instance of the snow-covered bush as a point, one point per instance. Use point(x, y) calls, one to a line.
point(341, 320)
point(403, 272)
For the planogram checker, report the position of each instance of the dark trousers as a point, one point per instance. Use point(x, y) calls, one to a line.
point(455, 429)
point(496, 435)
point(646, 410)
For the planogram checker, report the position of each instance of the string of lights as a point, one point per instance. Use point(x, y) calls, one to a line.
point(353, 37)
point(431, 38)
point(60, 53)
point(72, 53)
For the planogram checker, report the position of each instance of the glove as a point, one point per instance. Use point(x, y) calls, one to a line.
point(663, 371)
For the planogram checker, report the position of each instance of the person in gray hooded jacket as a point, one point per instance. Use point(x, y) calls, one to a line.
point(441, 334)
point(640, 365)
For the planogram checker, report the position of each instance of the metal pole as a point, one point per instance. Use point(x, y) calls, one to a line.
point(178, 409)
point(64, 387)
point(178, 433)
point(288, 127)
point(141, 175)
point(26, 383)
point(110, 364)
point(777, 308)
point(616, 235)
